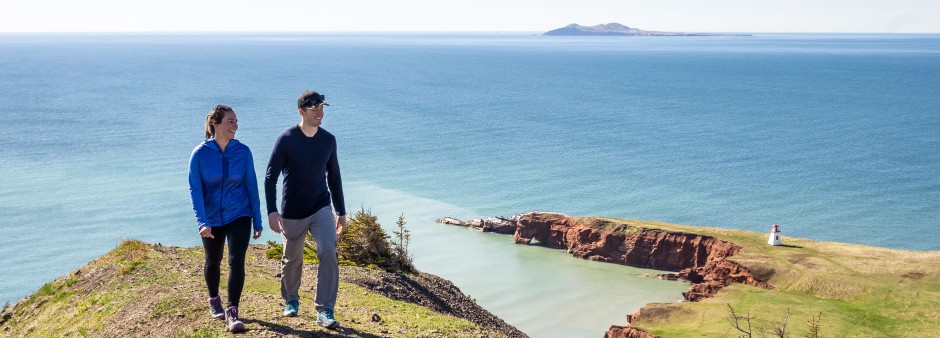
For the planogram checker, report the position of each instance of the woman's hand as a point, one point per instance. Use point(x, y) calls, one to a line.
point(206, 232)
point(257, 234)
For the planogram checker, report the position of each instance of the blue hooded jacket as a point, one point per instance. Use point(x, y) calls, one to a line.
point(223, 186)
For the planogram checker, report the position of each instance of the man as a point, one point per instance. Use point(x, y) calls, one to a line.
point(306, 155)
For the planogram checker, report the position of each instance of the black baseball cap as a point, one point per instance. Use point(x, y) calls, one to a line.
point(311, 98)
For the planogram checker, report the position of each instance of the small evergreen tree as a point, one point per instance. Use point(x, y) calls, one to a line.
point(815, 329)
point(403, 236)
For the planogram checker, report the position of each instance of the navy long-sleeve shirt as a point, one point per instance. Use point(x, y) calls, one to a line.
point(311, 174)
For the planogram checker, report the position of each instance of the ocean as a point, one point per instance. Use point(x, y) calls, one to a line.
point(833, 137)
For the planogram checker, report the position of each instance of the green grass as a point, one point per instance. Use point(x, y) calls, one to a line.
point(205, 331)
point(130, 255)
point(169, 305)
point(357, 305)
point(62, 310)
point(861, 291)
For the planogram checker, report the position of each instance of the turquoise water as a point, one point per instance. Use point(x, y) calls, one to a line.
point(834, 137)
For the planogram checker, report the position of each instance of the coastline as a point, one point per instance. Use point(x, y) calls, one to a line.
point(859, 290)
point(848, 284)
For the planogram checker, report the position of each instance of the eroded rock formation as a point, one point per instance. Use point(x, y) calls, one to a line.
point(498, 224)
point(617, 331)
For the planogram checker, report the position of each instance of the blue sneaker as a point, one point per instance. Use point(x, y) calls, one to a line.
point(325, 319)
point(290, 310)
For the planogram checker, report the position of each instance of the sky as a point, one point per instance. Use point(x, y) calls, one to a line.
point(841, 16)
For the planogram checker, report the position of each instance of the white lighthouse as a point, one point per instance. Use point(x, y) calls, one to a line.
point(774, 236)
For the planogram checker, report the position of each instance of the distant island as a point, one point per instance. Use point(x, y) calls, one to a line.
point(616, 29)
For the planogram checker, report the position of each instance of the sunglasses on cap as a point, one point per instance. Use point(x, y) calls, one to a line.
point(314, 100)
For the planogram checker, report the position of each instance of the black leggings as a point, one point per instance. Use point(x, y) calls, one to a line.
point(238, 233)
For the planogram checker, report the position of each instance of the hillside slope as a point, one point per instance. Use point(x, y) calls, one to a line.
point(140, 290)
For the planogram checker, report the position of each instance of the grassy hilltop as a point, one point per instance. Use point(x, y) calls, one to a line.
point(140, 290)
point(854, 290)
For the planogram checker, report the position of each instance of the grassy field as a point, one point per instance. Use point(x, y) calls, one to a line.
point(140, 290)
point(857, 290)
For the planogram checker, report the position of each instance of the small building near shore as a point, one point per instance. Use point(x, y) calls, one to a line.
point(774, 236)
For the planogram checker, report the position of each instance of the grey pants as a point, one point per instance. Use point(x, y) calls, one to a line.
point(322, 227)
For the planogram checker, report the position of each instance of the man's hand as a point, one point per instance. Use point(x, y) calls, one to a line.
point(340, 224)
point(257, 234)
point(274, 221)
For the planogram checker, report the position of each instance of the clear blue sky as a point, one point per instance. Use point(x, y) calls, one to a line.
point(887, 16)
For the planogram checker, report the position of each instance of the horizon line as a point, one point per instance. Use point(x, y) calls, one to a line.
point(419, 32)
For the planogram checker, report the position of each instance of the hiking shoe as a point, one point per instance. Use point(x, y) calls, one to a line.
point(325, 319)
point(291, 308)
point(232, 324)
point(215, 308)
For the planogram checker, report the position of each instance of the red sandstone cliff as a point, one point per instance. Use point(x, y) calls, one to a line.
point(622, 244)
point(699, 259)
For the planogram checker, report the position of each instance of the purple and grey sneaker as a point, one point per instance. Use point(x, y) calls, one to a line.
point(215, 308)
point(232, 324)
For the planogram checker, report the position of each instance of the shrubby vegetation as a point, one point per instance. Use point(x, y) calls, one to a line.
point(742, 323)
point(364, 243)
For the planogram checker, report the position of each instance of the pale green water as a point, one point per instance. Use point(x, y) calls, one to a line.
point(531, 287)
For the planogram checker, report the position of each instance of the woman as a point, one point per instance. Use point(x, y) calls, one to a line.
point(224, 191)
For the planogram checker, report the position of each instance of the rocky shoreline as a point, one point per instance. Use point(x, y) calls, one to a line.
point(700, 260)
point(430, 291)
